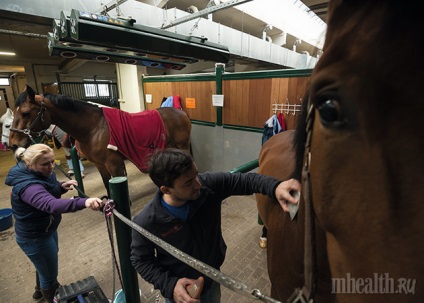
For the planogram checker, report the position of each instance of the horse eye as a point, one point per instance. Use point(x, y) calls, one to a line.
point(26, 115)
point(330, 113)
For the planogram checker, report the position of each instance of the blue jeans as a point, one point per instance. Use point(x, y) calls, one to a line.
point(213, 295)
point(43, 253)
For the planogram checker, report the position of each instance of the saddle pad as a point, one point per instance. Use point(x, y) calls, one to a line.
point(135, 135)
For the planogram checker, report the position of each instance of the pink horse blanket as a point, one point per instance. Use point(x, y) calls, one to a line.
point(135, 135)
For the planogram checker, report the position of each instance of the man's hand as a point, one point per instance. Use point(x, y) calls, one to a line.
point(288, 192)
point(180, 291)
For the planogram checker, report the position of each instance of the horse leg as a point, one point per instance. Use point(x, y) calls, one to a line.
point(105, 177)
point(114, 167)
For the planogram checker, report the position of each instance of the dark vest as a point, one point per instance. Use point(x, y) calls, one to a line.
point(29, 221)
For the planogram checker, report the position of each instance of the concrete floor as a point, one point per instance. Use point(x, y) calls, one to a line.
point(85, 249)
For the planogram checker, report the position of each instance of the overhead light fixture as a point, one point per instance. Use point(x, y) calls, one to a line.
point(7, 53)
point(102, 38)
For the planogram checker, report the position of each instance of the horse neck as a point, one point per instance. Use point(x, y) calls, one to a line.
point(76, 124)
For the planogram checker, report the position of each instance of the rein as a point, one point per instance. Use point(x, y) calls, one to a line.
point(306, 294)
point(28, 131)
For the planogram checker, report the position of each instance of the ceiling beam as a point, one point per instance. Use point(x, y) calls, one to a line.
point(203, 12)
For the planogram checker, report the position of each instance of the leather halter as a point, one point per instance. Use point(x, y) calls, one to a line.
point(306, 294)
point(28, 131)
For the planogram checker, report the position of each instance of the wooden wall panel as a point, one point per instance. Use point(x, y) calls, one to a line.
point(247, 102)
point(202, 91)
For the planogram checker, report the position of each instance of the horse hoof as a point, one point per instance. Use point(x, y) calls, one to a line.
point(262, 242)
point(71, 172)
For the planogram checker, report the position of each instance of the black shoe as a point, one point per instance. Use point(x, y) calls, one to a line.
point(37, 295)
point(49, 294)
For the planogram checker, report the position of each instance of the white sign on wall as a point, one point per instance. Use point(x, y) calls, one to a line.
point(218, 100)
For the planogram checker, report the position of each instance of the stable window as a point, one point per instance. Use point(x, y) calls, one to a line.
point(4, 82)
point(95, 89)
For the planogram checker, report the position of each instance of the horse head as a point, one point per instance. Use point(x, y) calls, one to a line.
point(6, 121)
point(30, 121)
point(366, 150)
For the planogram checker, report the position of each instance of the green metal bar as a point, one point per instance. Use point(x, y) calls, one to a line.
point(281, 73)
point(204, 123)
point(219, 69)
point(246, 167)
point(77, 171)
point(244, 128)
point(119, 194)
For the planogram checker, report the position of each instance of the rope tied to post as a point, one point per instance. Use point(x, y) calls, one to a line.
point(107, 210)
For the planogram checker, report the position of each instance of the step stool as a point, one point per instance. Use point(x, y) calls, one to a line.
point(84, 291)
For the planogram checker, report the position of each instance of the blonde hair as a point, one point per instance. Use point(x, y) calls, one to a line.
point(31, 154)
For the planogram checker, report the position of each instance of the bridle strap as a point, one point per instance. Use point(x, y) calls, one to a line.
point(306, 294)
point(28, 131)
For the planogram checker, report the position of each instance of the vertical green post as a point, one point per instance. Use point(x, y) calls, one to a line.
point(119, 194)
point(219, 70)
point(77, 171)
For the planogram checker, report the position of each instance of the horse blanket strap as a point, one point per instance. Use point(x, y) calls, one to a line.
point(135, 135)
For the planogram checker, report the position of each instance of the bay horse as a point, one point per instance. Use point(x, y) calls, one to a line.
point(361, 151)
point(285, 237)
point(87, 124)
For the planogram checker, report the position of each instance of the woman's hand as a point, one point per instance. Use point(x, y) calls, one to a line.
point(94, 203)
point(68, 184)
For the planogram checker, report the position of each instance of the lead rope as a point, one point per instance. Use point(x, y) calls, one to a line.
point(107, 210)
point(108, 214)
point(205, 269)
point(214, 274)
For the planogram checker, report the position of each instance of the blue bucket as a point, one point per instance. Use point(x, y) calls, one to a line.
point(5, 218)
point(120, 296)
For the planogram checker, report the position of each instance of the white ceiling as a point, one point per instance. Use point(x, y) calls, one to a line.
point(28, 35)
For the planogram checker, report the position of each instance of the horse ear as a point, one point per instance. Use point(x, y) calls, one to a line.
point(30, 92)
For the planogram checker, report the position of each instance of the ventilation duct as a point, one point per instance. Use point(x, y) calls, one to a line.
point(298, 41)
point(267, 27)
point(83, 35)
point(192, 9)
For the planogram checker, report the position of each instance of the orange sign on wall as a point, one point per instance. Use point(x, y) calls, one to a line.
point(190, 102)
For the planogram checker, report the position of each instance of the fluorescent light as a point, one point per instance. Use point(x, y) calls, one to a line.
point(7, 53)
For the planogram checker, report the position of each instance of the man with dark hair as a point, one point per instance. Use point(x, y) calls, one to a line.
point(186, 213)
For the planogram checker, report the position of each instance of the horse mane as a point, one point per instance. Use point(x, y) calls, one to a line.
point(68, 103)
point(21, 99)
point(62, 101)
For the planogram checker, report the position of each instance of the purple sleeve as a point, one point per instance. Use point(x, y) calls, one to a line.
point(37, 196)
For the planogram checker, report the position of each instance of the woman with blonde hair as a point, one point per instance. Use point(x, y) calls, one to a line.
point(37, 208)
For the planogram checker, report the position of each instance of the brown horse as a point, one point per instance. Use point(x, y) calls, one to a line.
point(285, 247)
point(87, 124)
point(364, 151)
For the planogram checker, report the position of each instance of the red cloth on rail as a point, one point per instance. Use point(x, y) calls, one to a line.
point(135, 135)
